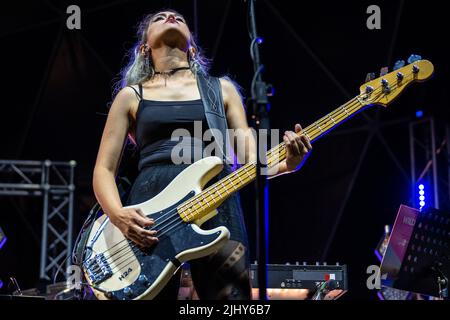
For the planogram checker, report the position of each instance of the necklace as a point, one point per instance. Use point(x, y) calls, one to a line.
point(169, 73)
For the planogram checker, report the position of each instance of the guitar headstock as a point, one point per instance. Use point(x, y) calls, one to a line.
point(386, 88)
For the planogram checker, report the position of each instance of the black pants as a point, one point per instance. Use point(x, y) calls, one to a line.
point(221, 275)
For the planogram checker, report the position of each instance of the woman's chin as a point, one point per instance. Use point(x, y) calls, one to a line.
point(173, 36)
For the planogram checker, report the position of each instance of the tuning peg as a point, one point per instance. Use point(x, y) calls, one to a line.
point(370, 76)
point(413, 58)
point(385, 85)
point(399, 64)
point(384, 71)
point(369, 90)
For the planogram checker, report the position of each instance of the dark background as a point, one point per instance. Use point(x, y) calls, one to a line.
point(57, 83)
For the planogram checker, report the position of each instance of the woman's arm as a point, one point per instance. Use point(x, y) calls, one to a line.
point(237, 121)
point(130, 222)
point(297, 146)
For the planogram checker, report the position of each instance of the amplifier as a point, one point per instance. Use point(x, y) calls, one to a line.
point(286, 281)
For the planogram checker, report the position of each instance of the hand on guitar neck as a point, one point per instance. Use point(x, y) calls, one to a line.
point(297, 147)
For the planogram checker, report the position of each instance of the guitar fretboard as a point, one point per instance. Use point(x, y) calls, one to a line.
point(203, 203)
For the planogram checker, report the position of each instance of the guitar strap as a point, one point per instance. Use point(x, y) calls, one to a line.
point(211, 95)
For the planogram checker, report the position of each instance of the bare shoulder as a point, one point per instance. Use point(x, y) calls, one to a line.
point(228, 86)
point(230, 91)
point(127, 94)
point(126, 100)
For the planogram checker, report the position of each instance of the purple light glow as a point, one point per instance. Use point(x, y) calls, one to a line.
point(2, 242)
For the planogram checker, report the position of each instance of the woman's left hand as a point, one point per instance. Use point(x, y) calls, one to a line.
point(297, 148)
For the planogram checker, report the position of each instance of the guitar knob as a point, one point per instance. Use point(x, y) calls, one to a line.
point(400, 76)
point(416, 69)
point(143, 279)
point(128, 292)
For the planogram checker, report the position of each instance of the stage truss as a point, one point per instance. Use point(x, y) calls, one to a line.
point(53, 181)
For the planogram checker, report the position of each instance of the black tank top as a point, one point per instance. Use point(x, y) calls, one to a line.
point(156, 122)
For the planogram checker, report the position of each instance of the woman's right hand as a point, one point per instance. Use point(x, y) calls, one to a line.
point(132, 223)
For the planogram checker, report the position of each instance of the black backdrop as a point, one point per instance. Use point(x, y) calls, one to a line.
point(56, 84)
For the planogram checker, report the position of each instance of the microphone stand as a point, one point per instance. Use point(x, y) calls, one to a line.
point(260, 116)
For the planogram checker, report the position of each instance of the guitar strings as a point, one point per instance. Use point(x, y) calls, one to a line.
point(126, 240)
point(349, 108)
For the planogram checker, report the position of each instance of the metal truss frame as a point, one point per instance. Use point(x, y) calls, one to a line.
point(423, 155)
point(54, 182)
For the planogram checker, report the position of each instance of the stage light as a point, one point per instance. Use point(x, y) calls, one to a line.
point(419, 114)
point(259, 40)
point(421, 196)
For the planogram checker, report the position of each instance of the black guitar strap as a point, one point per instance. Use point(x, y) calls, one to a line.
point(211, 94)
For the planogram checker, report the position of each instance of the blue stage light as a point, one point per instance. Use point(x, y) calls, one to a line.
point(421, 197)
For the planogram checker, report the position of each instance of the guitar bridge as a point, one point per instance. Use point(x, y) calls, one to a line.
point(98, 269)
